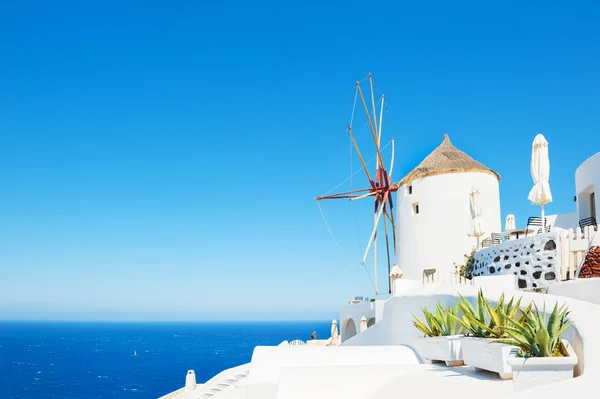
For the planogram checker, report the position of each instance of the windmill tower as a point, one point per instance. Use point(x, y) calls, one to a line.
point(434, 211)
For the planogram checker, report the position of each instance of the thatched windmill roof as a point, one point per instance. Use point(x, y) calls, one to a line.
point(443, 160)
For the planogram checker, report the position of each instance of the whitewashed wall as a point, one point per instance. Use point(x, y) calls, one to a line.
point(356, 311)
point(587, 179)
point(437, 236)
point(535, 260)
point(562, 221)
point(269, 365)
point(584, 289)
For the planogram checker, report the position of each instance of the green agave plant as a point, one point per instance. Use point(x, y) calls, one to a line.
point(538, 336)
point(485, 320)
point(474, 319)
point(502, 313)
point(439, 324)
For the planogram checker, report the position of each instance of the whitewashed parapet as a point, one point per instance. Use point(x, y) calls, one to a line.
point(535, 260)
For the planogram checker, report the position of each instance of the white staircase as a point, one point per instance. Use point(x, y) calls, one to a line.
point(218, 383)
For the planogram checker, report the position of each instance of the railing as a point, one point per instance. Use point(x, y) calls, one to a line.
point(459, 280)
point(433, 277)
point(573, 245)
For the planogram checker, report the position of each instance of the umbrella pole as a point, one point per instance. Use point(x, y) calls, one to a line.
point(543, 221)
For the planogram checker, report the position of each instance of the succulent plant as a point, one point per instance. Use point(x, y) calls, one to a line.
point(538, 336)
point(485, 320)
point(439, 324)
point(500, 315)
point(474, 319)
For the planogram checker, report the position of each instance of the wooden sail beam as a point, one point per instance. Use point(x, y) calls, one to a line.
point(343, 194)
point(364, 195)
point(375, 263)
point(379, 159)
point(381, 119)
point(391, 165)
point(378, 140)
point(334, 197)
point(390, 217)
point(354, 194)
point(387, 248)
point(374, 232)
point(362, 161)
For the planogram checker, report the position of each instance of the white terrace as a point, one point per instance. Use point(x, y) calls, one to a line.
point(384, 360)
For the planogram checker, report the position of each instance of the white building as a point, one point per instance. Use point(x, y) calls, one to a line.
point(433, 211)
point(587, 178)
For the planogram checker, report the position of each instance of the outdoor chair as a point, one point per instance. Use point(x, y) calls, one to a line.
point(494, 239)
point(591, 221)
point(536, 221)
point(429, 276)
point(548, 227)
point(497, 238)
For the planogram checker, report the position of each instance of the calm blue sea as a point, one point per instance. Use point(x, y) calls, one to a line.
point(95, 360)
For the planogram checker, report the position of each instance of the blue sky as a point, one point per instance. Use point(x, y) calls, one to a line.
point(160, 160)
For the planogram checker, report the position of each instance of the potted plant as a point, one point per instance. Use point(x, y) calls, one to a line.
point(442, 341)
point(486, 324)
point(542, 356)
point(466, 271)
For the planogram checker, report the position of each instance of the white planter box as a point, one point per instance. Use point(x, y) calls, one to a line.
point(484, 354)
point(534, 371)
point(445, 349)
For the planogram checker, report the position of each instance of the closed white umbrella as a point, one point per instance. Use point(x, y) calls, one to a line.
point(363, 324)
point(476, 229)
point(510, 223)
point(334, 333)
point(540, 172)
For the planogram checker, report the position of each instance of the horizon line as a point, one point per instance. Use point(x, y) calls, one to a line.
point(160, 321)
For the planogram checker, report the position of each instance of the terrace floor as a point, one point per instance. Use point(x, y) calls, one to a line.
point(379, 382)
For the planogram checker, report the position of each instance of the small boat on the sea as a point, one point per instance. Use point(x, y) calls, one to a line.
point(134, 353)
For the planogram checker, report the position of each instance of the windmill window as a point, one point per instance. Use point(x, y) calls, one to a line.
point(415, 207)
point(408, 190)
